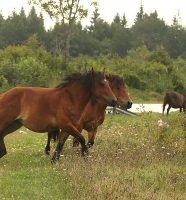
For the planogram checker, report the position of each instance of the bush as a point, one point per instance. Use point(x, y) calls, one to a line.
point(33, 72)
point(134, 81)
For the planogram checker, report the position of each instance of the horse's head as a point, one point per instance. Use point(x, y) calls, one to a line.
point(101, 88)
point(120, 90)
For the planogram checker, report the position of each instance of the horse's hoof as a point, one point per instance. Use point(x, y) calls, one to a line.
point(53, 161)
point(85, 151)
point(75, 144)
point(2, 152)
point(47, 152)
point(90, 144)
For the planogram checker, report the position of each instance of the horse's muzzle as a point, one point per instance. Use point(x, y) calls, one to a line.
point(129, 104)
point(113, 103)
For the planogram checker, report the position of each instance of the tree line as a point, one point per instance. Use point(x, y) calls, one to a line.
point(99, 37)
point(150, 54)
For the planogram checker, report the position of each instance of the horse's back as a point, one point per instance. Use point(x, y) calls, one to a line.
point(25, 95)
point(32, 106)
point(39, 104)
point(174, 99)
point(10, 102)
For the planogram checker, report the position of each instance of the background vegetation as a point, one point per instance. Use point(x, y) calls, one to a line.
point(150, 54)
point(133, 158)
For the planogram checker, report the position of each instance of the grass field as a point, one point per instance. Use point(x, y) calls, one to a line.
point(133, 158)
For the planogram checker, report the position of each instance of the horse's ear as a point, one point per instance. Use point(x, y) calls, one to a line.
point(86, 68)
point(104, 70)
point(92, 72)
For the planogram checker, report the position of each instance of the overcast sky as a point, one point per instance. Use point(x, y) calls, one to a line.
point(166, 9)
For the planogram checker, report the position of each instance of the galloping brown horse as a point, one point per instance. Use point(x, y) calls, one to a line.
point(94, 112)
point(48, 109)
point(174, 100)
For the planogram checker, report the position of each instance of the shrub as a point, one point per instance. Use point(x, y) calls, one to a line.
point(33, 72)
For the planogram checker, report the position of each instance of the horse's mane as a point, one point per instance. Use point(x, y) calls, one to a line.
point(117, 80)
point(85, 79)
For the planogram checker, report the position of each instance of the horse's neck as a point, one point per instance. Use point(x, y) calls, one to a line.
point(77, 97)
point(93, 111)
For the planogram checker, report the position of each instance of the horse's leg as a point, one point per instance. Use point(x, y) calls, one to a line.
point(181, 109)
point(91, 137)
point(2, 147)
point(51, 135)
point(61, 141)
point(164, 108)
point(47, 148)
point(75, 142)
point(11, 128)
point(70, 130)
point(168, 110)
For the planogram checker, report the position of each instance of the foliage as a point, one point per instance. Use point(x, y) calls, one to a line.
point(18, 27)
point(29, 65)
point(66, 13)
point(152, 71)
point(150, 54)
point(68, 36)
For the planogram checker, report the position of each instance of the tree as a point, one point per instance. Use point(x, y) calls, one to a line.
point(117, 19)
point(150, 31)
point(140, 14)
point(175, 42)
point(124, 21)
point(121, 36)
point(35, 24)
point(65, 12)
point(14, 28)
point(1, 27)
point(95, 17)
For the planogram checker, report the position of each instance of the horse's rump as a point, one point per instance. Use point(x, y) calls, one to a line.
point(174, 99)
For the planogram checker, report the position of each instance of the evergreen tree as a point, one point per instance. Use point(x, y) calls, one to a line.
point(95, 17)
point(150, 31)
point(124, 21)
point(121, 36)
point(14, 29)
point(175, 42)
point(117, 19)
point(140, 14)
point(2, 39)
point(35, 24)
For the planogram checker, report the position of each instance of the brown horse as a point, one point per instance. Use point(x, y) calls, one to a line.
point(48, 109)
point(174, 100)
point(94, 112)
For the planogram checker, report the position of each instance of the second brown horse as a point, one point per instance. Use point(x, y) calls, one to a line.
point(94, 112)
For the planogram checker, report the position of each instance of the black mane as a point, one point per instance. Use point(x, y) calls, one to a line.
point(115, 79)
point(85, 79)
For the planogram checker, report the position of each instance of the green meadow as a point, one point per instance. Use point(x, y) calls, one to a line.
point(132, 158)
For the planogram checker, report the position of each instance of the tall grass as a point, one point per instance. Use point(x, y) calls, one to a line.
point(133, 158)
